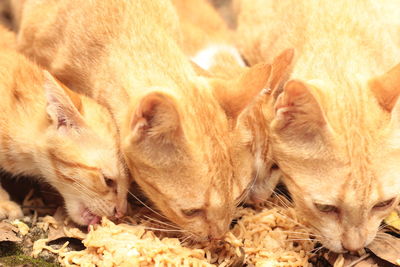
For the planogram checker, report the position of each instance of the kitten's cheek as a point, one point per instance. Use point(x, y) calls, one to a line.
point(73, 209)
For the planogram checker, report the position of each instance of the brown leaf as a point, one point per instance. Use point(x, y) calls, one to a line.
point(8, 232)
point(367, 263)
point(387, 248)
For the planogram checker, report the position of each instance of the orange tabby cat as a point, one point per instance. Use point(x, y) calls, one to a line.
point(66, 139)
point(180, 133)
point(336, 126)
point(208, 41)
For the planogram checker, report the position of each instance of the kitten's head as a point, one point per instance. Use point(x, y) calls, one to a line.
point(190, 154)
point(258, 119)
point(339, 151)
point(83, 159)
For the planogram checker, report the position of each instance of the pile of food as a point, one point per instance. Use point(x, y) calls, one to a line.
point(270, 237)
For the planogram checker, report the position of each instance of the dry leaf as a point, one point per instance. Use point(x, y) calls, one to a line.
point(387, 248)
point(363, 261)
point(393, 220)
point(8, 232)
point(60, 227)
point(367, 263)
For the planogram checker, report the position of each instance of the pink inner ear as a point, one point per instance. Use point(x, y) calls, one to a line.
point(139, 123)
point(145, 112)
point(387, 88)
point(294, 91)
point(155, 116)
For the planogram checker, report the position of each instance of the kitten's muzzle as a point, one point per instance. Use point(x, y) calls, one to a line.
point(354, 240)
point(217, 233)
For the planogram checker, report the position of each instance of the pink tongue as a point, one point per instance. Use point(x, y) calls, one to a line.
point(94, 220)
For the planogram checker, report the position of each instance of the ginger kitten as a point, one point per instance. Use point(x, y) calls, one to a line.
point(180, 133)
point(209, 43)
point(335, 133)
point(66, 139)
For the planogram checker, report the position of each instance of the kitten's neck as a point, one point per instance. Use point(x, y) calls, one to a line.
point(24, 151)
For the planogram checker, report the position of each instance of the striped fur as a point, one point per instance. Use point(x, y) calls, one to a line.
point(63, 138)
point(335, 130)
point(209, 43)
point(179, 132)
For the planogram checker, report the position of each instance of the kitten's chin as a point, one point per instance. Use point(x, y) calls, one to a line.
point(335, 247)
point(81, 214)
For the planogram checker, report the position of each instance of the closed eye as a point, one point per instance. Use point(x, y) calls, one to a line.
point(192, 212)
point(384, 204)
point(326, 208)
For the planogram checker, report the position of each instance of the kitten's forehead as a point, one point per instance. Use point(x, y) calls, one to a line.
point(351, 187)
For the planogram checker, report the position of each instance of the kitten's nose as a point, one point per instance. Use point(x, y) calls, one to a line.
point(214, 238)
point(118, 214)
point(352, 247)
point(216, 233)
point(354, 239)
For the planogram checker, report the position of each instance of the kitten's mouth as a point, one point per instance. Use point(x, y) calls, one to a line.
point(89, 217)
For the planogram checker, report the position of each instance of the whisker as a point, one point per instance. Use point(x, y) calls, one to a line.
point(164, 230)
point(302, 233)
point(316, 250)
point(161, 222)
point(248, 189)
point(146, 205)
point(361, 258)
point(299, 239)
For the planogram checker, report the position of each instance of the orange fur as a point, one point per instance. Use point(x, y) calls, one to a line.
point(64, 138)
point(204, 31)
point(181, 137)
point(207, 40)
point(8, 38)
point(335, 131)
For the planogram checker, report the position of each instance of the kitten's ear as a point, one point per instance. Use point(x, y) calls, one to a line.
point(236, 95)
point(156, 117)
point(63, 105)
point(297, 112)
point(281, 68)
point(386, 88)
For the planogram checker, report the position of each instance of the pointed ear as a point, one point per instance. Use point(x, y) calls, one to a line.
point(281, 68)
point(236, 95)
point(386, 88)
point(63, 105)
point(297, 111)
point(156, 117)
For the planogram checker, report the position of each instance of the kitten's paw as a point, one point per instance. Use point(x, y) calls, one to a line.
point(10, 210)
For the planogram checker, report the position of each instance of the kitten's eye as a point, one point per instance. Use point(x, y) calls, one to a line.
point(326, 208)
point(384, 204)
point(109, 182)
point(274, 167)
point(192, 212)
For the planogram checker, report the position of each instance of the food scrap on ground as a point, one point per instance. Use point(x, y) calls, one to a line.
point(268, 236)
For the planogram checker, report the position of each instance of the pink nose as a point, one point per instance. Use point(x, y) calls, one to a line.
point(118, 214)
point(217, 233)
point(352, 248)
point(353, 244)
point(354, 239)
